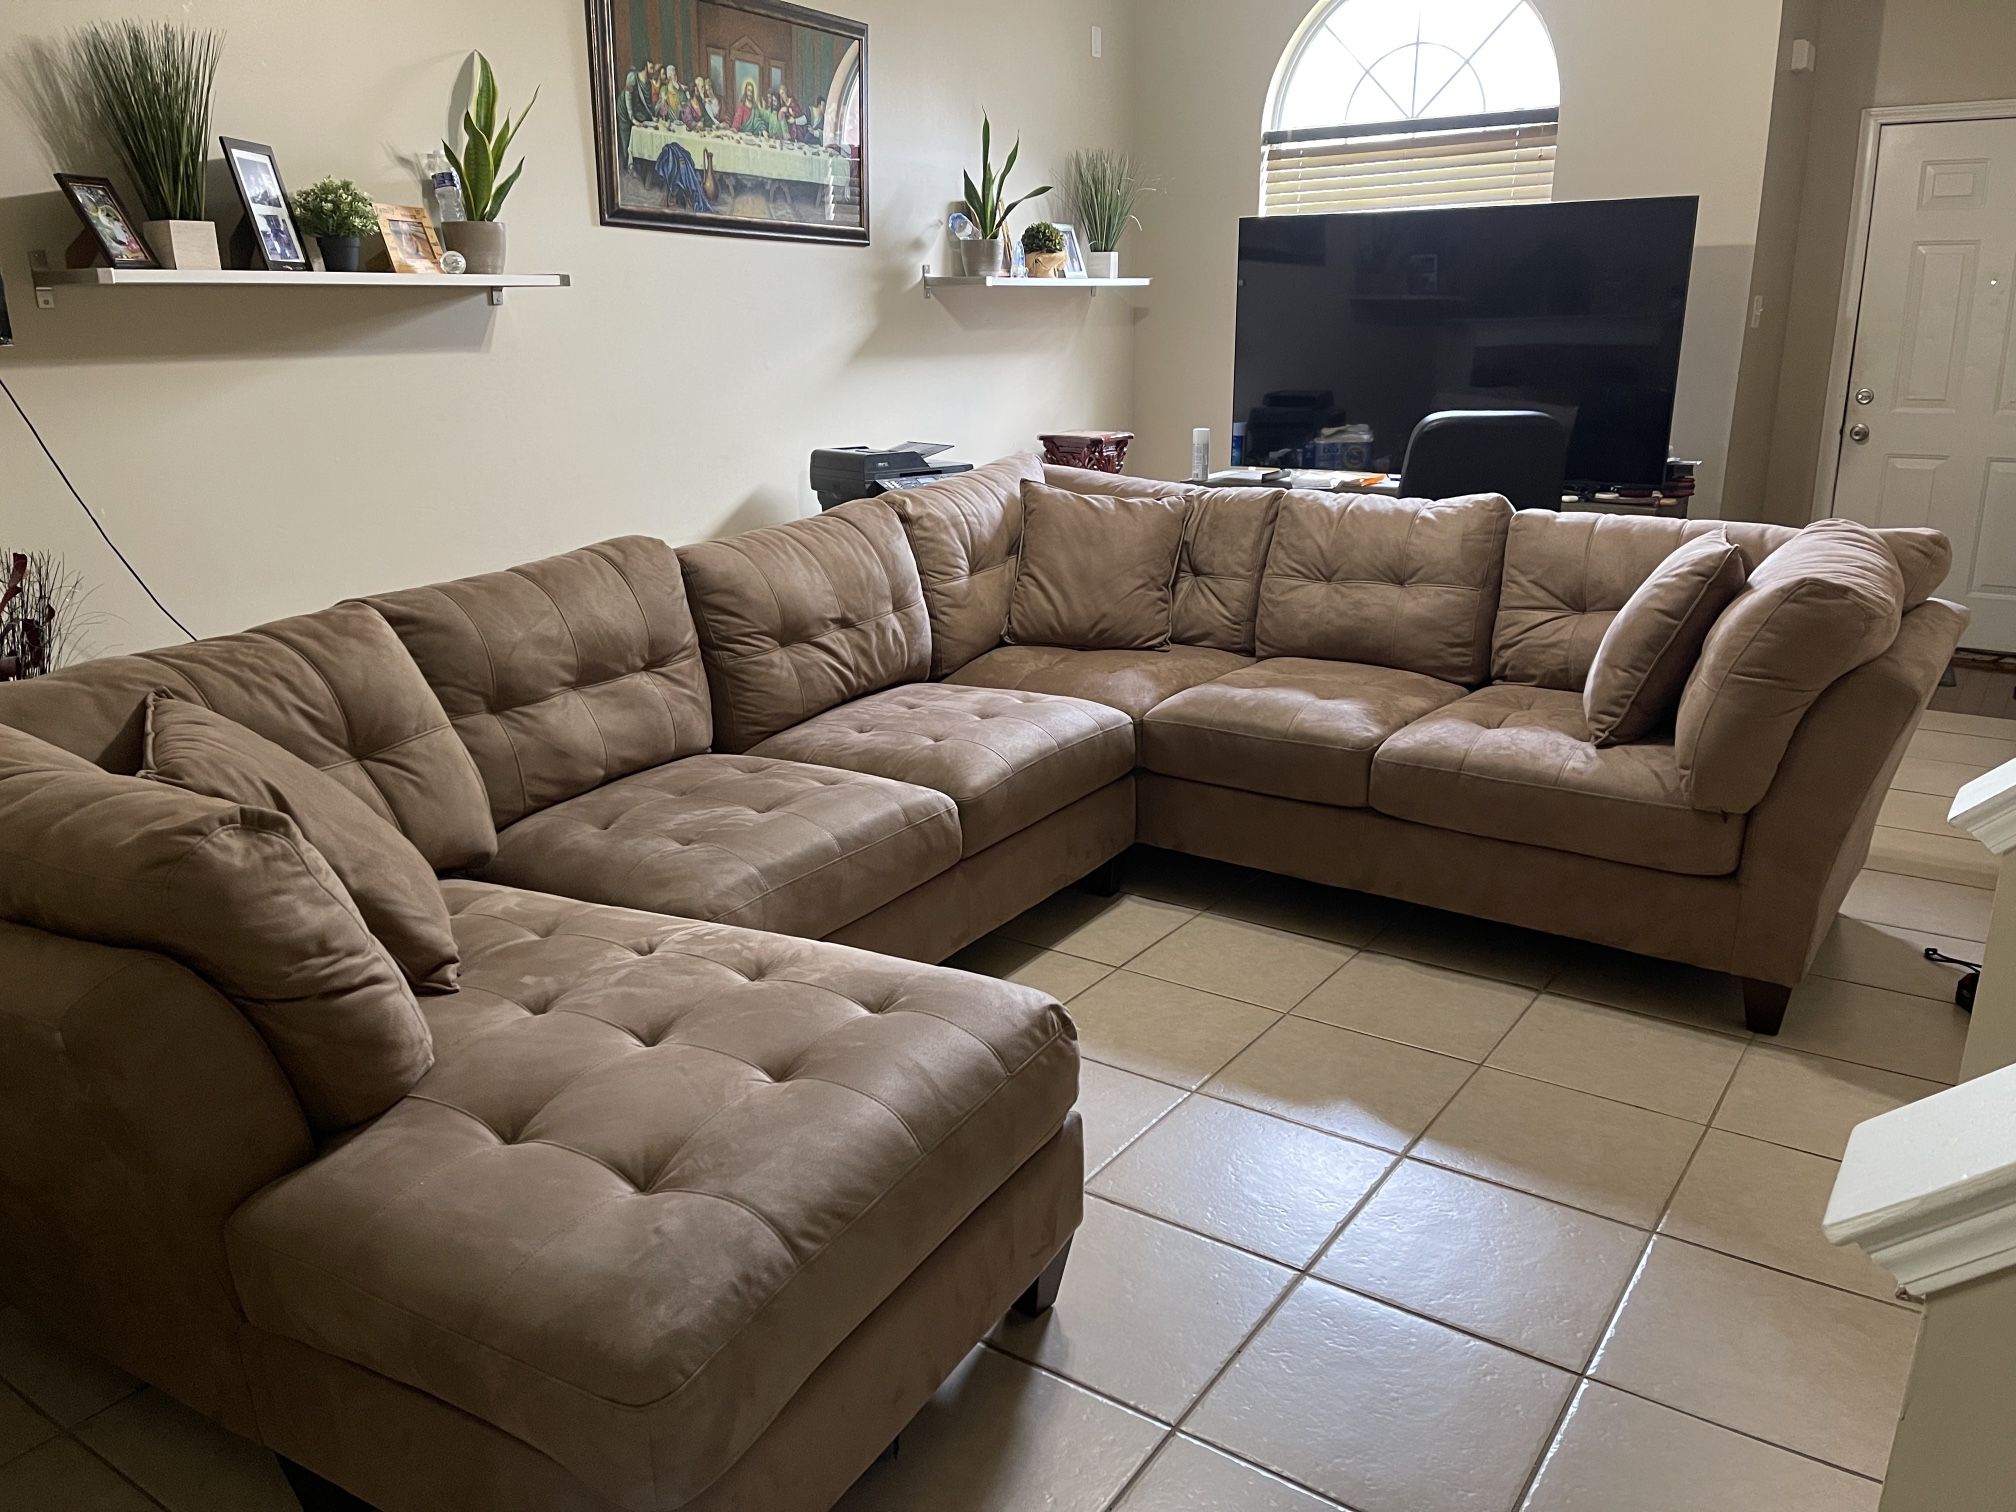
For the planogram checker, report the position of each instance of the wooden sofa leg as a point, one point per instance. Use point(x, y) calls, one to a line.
point(1104, 880)
point(316, 1494)
point(1764, 1005)
point(1042, 1293)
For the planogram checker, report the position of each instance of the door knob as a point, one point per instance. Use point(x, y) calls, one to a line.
point(1858, 434)
point(1865, 396)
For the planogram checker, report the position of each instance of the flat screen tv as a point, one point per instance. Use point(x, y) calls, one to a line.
point(1380, 317)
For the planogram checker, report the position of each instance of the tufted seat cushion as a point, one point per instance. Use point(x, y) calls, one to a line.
point(1131, 681)
point(660, 1171)
point(737, 840)
point(1293, 727)
point(1517, 763)
point(1007, 758)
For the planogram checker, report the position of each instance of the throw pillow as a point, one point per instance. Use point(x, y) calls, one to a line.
point(1647, 654)
point(198, 750)
point(1098, 572)
point(233, 893)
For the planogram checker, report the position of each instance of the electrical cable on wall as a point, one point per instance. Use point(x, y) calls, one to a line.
point(90, 515)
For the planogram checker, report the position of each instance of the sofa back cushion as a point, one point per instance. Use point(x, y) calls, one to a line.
point(233, 893)
point(200, 751)
point(795, 619)
point(562, 674)
point(1568, 574)
point(336, 689)
point(965, 533)
point(1814, 610)
point(1097, 570)
point(1224, 551)
point(1406, 583)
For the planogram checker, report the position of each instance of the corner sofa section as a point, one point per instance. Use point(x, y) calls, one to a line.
point(1387, 696)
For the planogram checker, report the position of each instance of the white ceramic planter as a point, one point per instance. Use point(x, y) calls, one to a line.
point(184, 243)
point(1102, 264)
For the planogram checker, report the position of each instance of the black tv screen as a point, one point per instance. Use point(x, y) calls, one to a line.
point(1380, 317)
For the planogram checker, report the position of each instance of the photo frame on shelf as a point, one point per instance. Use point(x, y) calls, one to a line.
point(411, 242)
point(256, 172)
point(733, 117)
point(105, 216)
point(1074, 250)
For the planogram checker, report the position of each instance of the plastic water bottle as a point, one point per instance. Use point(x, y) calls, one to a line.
point(447, 188)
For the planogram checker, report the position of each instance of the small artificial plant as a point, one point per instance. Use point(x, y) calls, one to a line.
point(984, 200)
point(149, 85)
point(43, 614)
point(335, 207)
point(1102, 188)
point(484, 145)
point(1041, 238)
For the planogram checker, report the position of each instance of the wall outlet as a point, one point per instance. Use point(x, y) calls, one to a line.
point(1098, 41)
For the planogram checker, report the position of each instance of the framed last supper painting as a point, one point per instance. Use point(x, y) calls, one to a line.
point(739, 117)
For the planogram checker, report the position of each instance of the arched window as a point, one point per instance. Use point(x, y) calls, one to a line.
point(1380, 104)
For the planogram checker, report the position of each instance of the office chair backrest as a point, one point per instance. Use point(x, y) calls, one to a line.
point(1522, 454)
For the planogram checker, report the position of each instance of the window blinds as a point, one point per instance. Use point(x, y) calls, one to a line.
point(1466, 163)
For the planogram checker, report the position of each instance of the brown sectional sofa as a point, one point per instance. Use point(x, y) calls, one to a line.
point(688, 1215)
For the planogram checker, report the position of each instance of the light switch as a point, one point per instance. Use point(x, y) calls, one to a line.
point(1098, 41)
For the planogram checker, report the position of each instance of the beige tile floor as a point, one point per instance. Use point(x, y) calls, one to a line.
point(1388, 1210)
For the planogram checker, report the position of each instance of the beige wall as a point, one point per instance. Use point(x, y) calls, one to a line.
point(1202, 80)
point(1940, 50)
point(1745, 484)
point(262, 453)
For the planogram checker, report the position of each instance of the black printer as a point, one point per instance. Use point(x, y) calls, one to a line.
point(841, 473)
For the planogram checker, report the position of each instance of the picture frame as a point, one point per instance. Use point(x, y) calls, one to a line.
point(268, 215)
point(105, 216)
point(411, 243)
point(1074, 250)
point(730, 118)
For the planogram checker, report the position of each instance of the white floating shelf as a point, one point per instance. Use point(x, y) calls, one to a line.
point(1000, 281)
point(48, 280)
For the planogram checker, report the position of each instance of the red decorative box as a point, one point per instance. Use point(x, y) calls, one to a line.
point(1103, 451)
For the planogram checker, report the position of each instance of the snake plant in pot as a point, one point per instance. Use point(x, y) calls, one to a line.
point(989, 209)
point(480, 164)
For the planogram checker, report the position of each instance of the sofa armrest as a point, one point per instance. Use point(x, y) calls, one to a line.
point(138, 1110)
point(1808, 839)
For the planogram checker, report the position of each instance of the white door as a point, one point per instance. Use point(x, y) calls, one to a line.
point(1930, 435)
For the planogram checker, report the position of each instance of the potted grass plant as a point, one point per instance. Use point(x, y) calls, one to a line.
point(1102, 188)
point(986, 205)
point(485, 141)
point(339, 216)
point(148, 85)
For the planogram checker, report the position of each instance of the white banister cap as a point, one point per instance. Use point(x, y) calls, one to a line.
point(1986, 808)
point(1928, 1190)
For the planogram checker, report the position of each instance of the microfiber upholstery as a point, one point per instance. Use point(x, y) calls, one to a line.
point(1007, 758)
point(1404, 583)
point(966, 534)
point(660, 1171)
point(1292, 727)
point(233, 893)
point(1131, 681)
point(742, 840)
point(1516, 763)
point(1567, 576)
point(1225, 546)
point(335, 689)
point(562, 674)
point(797, 618)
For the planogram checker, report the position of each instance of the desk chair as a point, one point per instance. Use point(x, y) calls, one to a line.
point(1522, 454)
